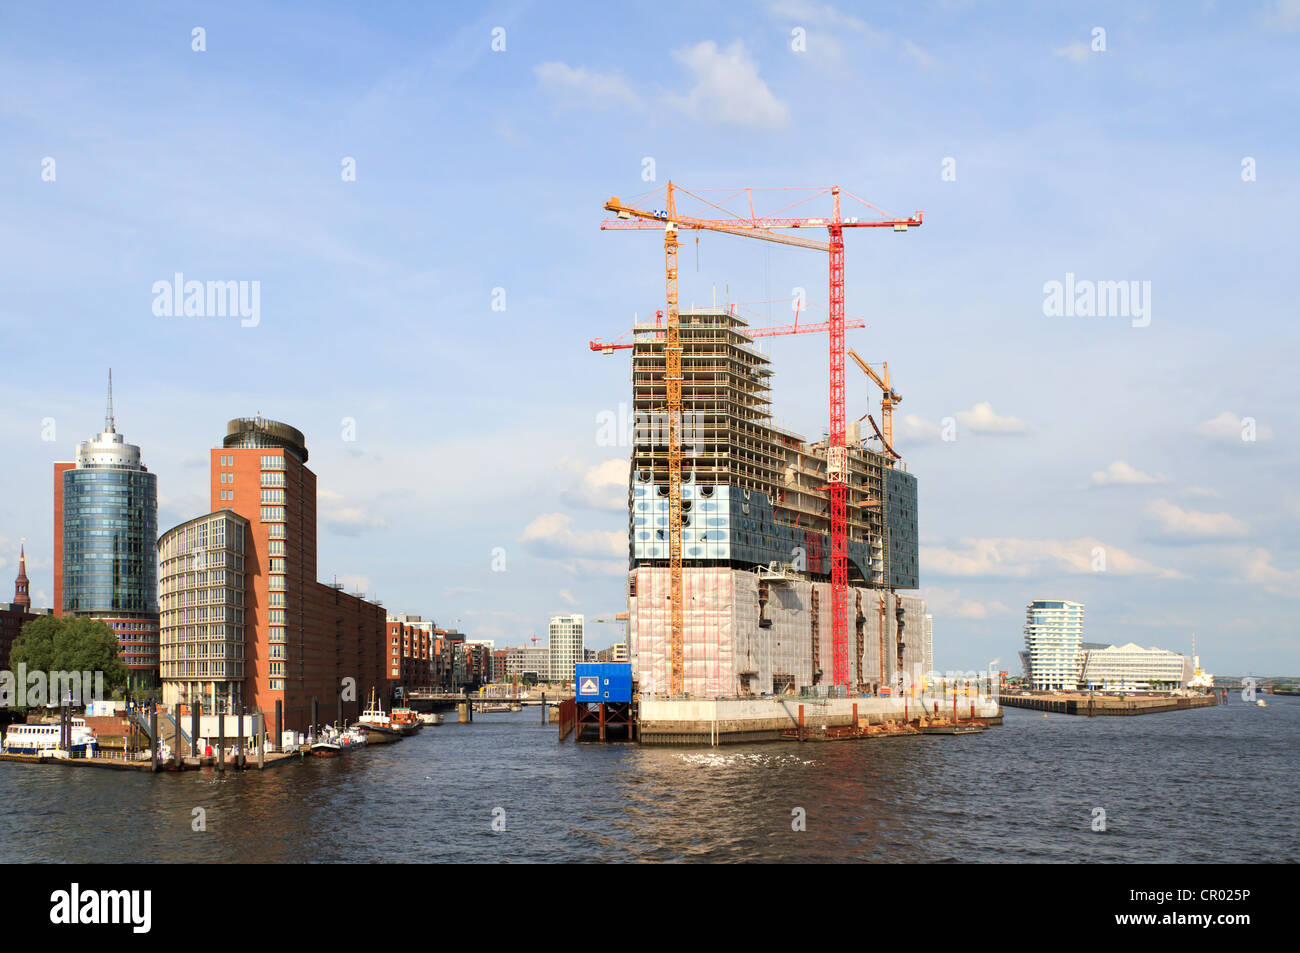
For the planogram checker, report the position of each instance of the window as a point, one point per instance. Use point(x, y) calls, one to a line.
point(272, 514)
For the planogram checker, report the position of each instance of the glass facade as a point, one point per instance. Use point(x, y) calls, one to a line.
point(110, 534)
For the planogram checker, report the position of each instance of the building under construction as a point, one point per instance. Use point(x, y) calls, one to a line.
point(755, 517)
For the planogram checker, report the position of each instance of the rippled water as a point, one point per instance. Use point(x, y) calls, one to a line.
point(1196, 786)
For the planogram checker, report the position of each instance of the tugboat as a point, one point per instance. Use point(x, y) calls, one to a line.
point(407, 720)
point(377, 725)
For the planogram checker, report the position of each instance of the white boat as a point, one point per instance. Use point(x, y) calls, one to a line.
point(1260, 703)
point(431, 717)
point(44, 739)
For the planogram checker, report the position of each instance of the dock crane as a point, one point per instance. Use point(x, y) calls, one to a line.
point(837, 456)
point(888, 398)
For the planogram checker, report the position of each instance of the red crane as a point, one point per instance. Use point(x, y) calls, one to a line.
point(630, 216)
point(776, 330)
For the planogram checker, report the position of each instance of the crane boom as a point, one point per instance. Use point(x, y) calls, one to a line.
point(837, 460)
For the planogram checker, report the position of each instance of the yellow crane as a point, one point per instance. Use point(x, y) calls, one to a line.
point(673, 386)
point(888, 398)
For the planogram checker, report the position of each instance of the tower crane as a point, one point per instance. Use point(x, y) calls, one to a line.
point(888, 398)
point(837, 457)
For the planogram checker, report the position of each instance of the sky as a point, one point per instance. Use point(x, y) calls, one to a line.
point(416, 191)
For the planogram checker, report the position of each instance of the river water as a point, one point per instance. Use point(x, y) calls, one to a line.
point(1207, 785)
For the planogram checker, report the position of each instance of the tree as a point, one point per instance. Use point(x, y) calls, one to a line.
point(51, 644)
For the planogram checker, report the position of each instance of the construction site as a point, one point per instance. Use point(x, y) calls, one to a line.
point(767, 573)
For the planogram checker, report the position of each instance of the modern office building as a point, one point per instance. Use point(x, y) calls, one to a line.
point(202, 583)
point(528, 663)
point(1133, 668)
point(755, 532)
point(1054, 644)
point(566, 646)
point(105, 539)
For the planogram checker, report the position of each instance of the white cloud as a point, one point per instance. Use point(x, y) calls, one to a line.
point(918, 55)
point(1176, 522)
point(353, 582)
point(602, 486)
point(1259, 570)
point(1120, 473)
point(552, 535)
point(917, 429)
point(568, 598)
point(579, 86)
point(804, 11)
point(346, 520)
point(1230, 428)
point(982, 419)
point(950, 603)
point(1076, 52)
point(1022, 558)
point(1283, 15)
point(727, 87)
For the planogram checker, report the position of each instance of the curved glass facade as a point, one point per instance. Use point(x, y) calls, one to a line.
point(110, 538)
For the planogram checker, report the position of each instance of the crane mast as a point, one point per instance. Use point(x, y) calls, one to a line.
point(837, 454)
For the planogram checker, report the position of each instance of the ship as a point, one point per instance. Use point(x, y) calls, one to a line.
point(45, 739)
point(407, 720)
point(377, 725)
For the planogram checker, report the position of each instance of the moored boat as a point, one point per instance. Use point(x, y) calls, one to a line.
point(407, 720)
point(377, 725)
point(44, 739)
point(431, 718)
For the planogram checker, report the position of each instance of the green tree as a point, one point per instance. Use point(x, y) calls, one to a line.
point(51, 644)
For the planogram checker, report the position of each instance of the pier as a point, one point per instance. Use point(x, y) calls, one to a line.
point(1098, 705)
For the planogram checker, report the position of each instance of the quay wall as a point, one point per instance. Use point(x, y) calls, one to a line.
point(741, 720)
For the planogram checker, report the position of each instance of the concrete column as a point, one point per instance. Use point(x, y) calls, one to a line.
point(153, 735)
point(176, 720)
point(194, 729)
point(278, 737)
point(259, 729)
point(221, 741)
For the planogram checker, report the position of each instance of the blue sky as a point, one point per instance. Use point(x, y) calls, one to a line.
point(476, 433)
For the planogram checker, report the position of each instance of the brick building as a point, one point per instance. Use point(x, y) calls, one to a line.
point(302, 639)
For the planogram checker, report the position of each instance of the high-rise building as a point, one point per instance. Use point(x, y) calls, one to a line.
point(1054, 644)
point(755, 533)
point(202, 611)
point(566, 646)
point(303, 640)
point(105, 539)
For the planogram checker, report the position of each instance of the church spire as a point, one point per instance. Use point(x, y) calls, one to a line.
point(21, 584)
point(110, 424)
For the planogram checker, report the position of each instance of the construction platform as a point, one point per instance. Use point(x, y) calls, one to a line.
point(663, 721)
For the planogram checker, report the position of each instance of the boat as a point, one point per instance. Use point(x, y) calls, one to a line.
point(329, 744)
point(431, 718)
point(377, 725)
point(44, 739)
point(352, 739)
point(1260, 703)
point(407, 720)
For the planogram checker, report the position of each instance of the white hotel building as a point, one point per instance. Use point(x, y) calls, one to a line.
point(1054, 644)
point(567, 646)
